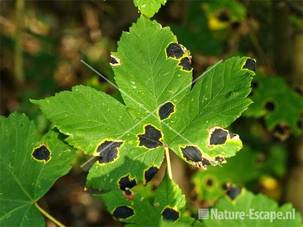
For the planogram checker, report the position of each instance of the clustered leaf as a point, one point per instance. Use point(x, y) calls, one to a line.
point(272, 96)
point(209, 185)
point(149, 7)
point(29, 165)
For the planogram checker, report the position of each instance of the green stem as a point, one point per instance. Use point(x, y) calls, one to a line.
point(54, 220)
point(169, 170)
point(18, 46)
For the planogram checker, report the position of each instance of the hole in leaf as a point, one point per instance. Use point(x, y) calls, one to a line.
point(151, 137)
point(123, 212)
point(166, 110)
point(218, 136)
point(150, 173)
point(170, 214)
point(41, 153)
point(269, 106)
point(250, 64)
point(108, 151)
point(233, 192)
point(126, 183)
point(186, 63)
point(175, 50)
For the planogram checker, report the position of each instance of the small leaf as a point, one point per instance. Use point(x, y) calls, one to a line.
point(29, 167)
point(149, 7)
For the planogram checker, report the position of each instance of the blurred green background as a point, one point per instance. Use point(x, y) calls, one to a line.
point(42, 43)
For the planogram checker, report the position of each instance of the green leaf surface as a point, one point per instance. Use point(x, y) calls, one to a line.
point(25, 179)
point(149, 7)
point(148, 211)
point(272, 97)
point(215, 101)
point(145, 75)
point(87, 116)
point(253, 205)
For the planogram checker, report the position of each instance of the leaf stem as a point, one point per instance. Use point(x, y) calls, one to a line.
point(46, 214)
point(169, 171)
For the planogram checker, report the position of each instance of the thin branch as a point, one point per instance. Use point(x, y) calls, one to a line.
point(46, 214)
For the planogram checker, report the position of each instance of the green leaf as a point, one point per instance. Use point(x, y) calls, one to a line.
point(153, 73)
point(147, 77)
point(167, 198)
point(87, 116)
point(216, 100)
point(247, 202)
point(271, 97)
point(149, 7)
point(25, 179)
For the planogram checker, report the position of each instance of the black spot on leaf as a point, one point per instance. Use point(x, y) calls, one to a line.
point(205, 162)
point(225, 186)
point(209, 182)
point(250, 64)
point(41, 153)
point(123, 212)
point(150, 138)
point(126, 183)
point(219, 159)
point(281, 131)
point(166, 110)
point(269, 106)
point(192, 153)
point(233, 192)
point(223, 16)
point(150, 173)
point(170, 214)
point(174, 50)
point(114, 60)
point(218, 136)
point(108, 151)
point(186, 63)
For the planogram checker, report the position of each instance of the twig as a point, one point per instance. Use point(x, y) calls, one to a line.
point(54, 220)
